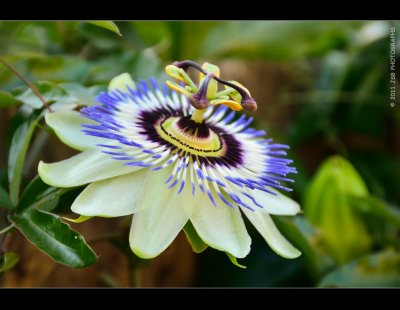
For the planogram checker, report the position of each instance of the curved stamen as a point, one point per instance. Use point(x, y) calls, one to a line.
point(248, 103)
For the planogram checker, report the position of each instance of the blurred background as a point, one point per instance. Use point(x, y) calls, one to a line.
point(322, 87)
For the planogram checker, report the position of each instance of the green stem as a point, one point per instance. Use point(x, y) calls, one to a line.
point(135, 279)
point(3, 226)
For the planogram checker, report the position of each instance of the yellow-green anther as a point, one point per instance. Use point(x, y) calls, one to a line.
point(234, 93)
point(178, 88)
point(173, 71)
point(181, 75)
point(211, 68)
point(213, 84)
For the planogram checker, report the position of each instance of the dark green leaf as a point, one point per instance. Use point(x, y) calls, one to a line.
point(38, 193)
point(5, 201)
point(16, 158)
point(194, 239)
point(51, 92)
point(64, 202)
point(7, 100)
point(7, 261)
point(82, 95)
point(106, 25)
point(55, 238)
point(377, 270)
point(377, 208)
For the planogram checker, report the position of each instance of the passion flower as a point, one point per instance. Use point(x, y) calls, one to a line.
point(177, 158)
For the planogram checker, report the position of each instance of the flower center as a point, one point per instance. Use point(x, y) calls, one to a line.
point(190, 136)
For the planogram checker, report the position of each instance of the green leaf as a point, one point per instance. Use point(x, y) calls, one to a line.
point(7, 261)
point(327, 206)
point(234, 261)
point(38, 193)
point(109, 25)
point(55, 238)
point(16, 157)
point(198, 245)
point(377, 270)
point(51, 92)
point(81, 95)
point(377, 208)
point(7, 100)
point(5, 201)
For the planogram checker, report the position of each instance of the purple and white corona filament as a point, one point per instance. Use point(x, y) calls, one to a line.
point(178, 165)
point(222, 156)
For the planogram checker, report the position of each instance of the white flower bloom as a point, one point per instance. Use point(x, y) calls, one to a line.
point(144, 153)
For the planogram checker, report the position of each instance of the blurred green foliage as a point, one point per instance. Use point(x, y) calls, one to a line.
point(344, 136)
point(328, 207)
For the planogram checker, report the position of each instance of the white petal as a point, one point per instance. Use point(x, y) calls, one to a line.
point(273, 204)
point(86, 167)
point(266, 227)
point(121, 82)
point(161, 217)
point(112, 197)
point(220, 227)
point(67, 126)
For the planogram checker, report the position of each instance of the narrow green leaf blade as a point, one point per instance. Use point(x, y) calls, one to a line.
point(7, 261)
point(55, 238)
point(16, 158)
point(109, 25)
point(5, 201)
